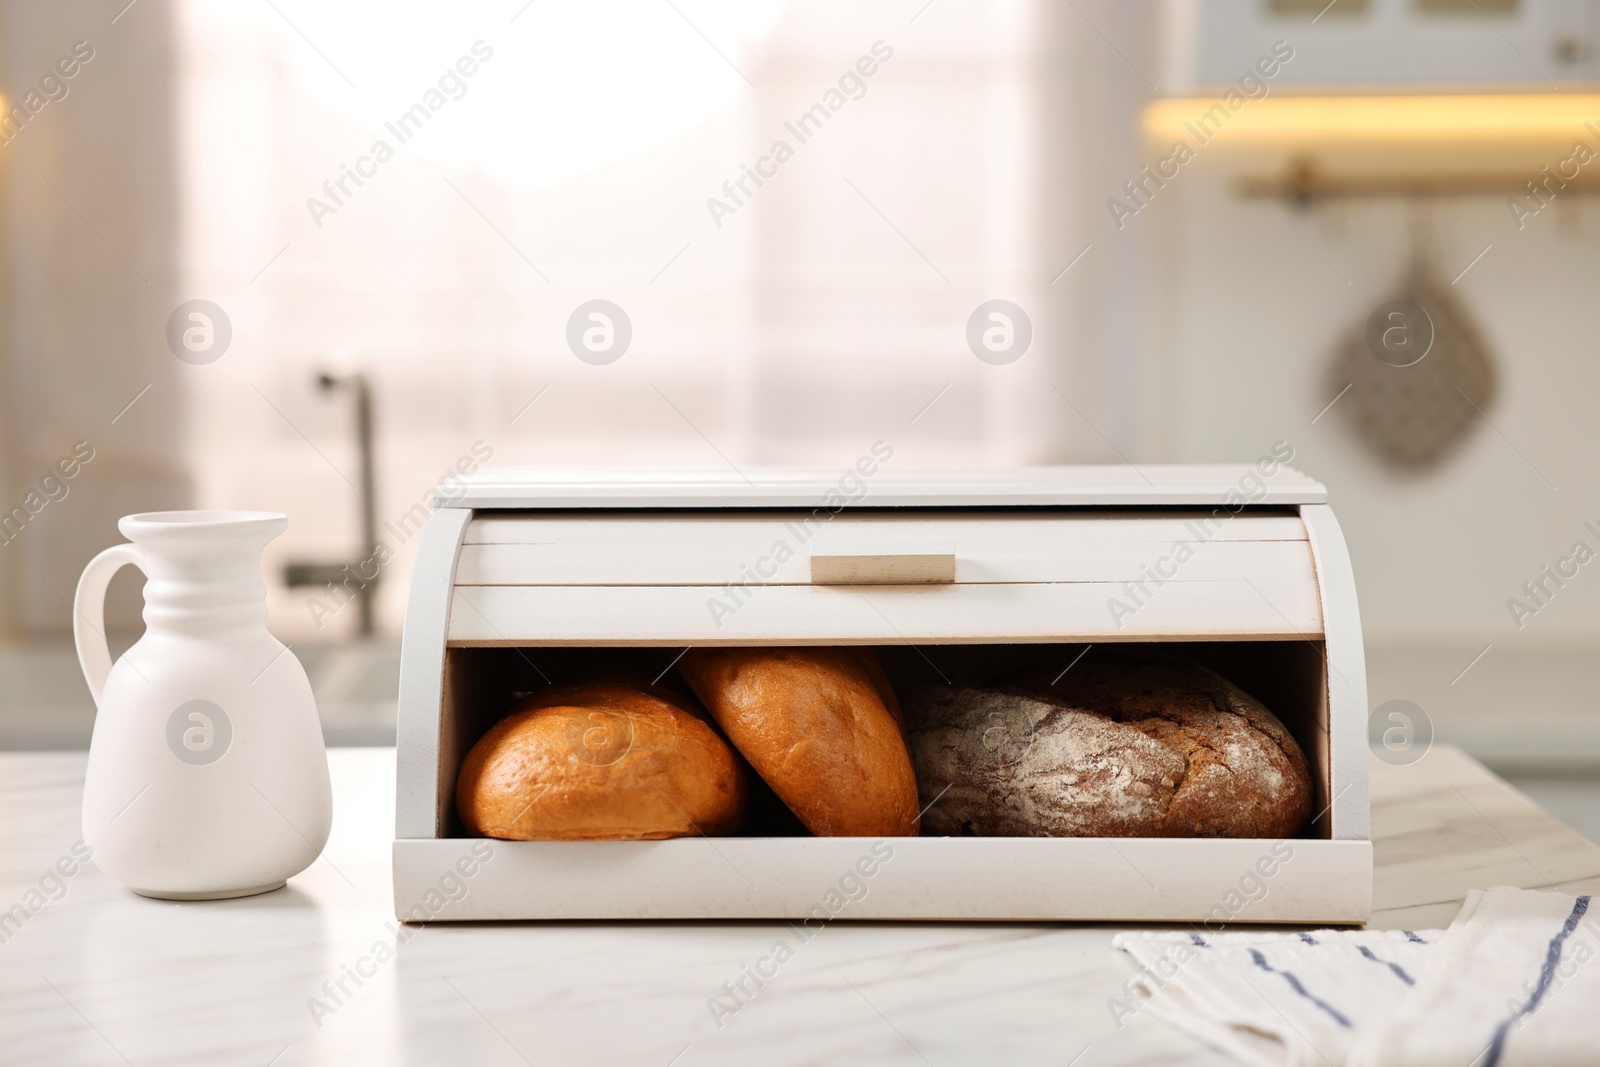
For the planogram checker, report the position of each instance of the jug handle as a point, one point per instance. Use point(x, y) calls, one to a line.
point(89, 613)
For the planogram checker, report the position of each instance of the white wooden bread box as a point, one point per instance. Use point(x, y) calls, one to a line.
point(528, 573)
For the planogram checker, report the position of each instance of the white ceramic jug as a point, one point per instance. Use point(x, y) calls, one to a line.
point(207, 776)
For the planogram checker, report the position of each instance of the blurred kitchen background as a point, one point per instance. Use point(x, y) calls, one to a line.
point(1335, 157)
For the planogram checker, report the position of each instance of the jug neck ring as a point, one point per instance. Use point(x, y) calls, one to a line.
point(204, 608)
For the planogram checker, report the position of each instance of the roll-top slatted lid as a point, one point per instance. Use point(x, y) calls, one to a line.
point(885, 486)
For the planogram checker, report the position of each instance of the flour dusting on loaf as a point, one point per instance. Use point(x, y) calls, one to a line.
point(1142, 747)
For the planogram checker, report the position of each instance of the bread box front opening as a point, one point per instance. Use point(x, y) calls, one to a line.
point(985, 726)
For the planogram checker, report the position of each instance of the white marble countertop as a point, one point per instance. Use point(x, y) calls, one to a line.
point(99, 976)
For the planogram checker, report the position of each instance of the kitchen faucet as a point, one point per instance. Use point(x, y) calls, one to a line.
point(303, 573)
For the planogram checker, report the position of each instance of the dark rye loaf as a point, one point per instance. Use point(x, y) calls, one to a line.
point(1155, 747)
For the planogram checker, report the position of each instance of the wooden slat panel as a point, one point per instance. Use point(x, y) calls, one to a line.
point(1264, 608)
point(703, 564)
point(1026, 548)
point(1082, 527)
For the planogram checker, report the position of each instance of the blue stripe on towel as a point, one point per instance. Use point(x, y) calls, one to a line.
point(1399, 971)
point(1413, 938)
point(1552, 957)
point(1307, 938)
point(1197, 939)
point(1294, 983)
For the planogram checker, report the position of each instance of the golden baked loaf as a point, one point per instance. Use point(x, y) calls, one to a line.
point(821, 726)
point(1147, 746)
point(596, 762)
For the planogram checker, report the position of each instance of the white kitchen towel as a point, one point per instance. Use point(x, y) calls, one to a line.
point(1513, 983)
point(1273, 999)
point(1509, 984)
